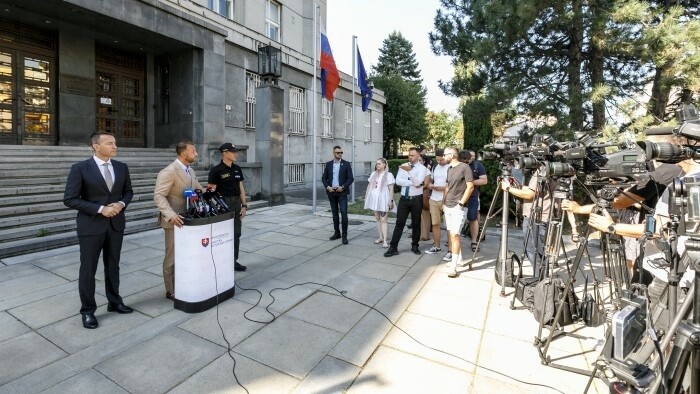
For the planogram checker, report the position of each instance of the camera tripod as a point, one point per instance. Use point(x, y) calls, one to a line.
point(613, 259)
point(502, 255)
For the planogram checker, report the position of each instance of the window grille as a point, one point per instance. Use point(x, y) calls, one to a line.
point(368, 125)
point(348, 121)
point(327, 118)
point(295, 173)
point(297, 110)
point(252, 81)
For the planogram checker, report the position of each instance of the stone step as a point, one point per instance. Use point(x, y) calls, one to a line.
point(41, 150)
point(61, 179)
point(48, 197)
point(32, 173)
point(26, 209)
point(64, 214)
point(36, 244)
point(55, 226)
point(59, 188)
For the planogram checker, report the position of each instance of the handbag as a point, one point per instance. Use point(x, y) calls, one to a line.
point(589, 309)
point(426, 199)
point(549, 295)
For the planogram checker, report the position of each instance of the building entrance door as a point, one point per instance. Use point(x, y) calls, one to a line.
point(120, 95)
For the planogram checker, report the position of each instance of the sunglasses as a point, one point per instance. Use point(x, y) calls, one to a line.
point(338, 153)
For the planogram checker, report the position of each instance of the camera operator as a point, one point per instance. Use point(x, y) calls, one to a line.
point(652, 252)
point(539, 229)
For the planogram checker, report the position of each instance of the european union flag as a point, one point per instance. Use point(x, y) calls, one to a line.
point(363, 82)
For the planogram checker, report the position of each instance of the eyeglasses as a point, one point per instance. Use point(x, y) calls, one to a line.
point(338, 153)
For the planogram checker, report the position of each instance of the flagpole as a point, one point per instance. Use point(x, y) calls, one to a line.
point(314, 159)
point(352, 154)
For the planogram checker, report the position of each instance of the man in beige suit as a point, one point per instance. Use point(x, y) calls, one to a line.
point(169, 195)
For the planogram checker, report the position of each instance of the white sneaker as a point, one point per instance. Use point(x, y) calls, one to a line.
point(433, 250)
point(448, 257)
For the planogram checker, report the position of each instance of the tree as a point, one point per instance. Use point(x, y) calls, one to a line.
point(396, 56)
point(571, 60)
point(444, 129)
point(404, 112)
point(397, 74)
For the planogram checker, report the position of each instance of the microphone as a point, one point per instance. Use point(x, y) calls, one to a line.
point(221, 201)
point(188, 195)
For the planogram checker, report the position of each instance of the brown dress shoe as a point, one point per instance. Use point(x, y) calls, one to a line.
point(170, 295)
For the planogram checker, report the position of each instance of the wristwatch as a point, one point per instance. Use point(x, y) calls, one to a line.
point(508, 188)
point(244, 206)
point(611, 228)
point(460, 204)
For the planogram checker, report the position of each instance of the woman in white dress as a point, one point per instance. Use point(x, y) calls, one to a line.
point(380, 198)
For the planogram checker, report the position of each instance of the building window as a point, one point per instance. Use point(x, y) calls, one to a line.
point(221, 7)
point(327, 118)
point(252, 81)
point(368, 125)
point(297, 110)
point(272, 20)
point(348, 121)
point(296, 173)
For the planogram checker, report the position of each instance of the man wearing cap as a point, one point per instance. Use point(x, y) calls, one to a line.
point(227, 178)
point(337, 178)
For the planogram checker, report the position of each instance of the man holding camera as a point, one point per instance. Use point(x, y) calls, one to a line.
point(534, 241)
point(337, 178)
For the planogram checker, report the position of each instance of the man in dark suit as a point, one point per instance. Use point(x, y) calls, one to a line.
point(100, 189)
point(337, 178)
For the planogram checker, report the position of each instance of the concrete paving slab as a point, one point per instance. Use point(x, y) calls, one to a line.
point(63, 333)
point(232, 320)
point(437, 340)
point(311, 273)
point(329, 311)
point(10, 272)
point(10, 327)
point(397, 300)
point(151, 302)
point(252, 245)
point(150, 239)
point(29, 284)
point(318, 232)
point(283, 299)
point(321, 249)
point(442, 305)
point(160, 363)
point(270, 345)
point(71, 271)
point(382, 271)
point(255, 262)
point(280, 251)
point(405, 257)
point(132, 283)
point(52, 309)
point(333, 261)
point(330, 376)
point(86, 382)
point(279, 266)
point(29, 352)
point(140, 255)
point(392, 371)
point(38, 295)
point(217, 377)
point(38, 255)
point(353, 250)
point(366, 290)
point(358, 345)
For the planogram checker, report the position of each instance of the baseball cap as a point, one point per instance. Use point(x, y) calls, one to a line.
point(228, 147)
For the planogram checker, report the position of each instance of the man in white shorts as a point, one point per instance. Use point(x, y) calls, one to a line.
point(437, 192)
point(460, 183)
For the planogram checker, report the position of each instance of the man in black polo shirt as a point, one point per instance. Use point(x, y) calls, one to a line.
point(227, 178)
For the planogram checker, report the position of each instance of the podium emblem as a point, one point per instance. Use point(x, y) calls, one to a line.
point(205, 242)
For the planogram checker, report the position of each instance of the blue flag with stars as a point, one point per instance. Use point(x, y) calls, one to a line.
point(363, 82)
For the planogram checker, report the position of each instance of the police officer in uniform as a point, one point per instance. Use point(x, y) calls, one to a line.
point(227, 178)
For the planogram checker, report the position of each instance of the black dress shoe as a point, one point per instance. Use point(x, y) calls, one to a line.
point(334, 237)
point(170, 295)
point(239, 267)
point(120, 308)
point(345, 240)
point(89, 321)
point(415, 250)
point(392, 251)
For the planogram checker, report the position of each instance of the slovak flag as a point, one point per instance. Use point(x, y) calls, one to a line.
point(330, 78)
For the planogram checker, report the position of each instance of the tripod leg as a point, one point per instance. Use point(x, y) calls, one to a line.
point(489, 215)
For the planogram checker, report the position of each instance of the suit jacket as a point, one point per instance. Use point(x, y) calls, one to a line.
point(169, 193)
point(86, 190)
point(345, 178)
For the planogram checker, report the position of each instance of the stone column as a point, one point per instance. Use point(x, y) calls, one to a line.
point(269, 141)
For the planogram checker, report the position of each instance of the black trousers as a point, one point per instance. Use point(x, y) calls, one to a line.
point(110, 245)
point(234, 203)
point(413, 206)
point(339, 208)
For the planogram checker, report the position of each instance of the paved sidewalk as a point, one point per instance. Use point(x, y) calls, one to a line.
point(320, 342)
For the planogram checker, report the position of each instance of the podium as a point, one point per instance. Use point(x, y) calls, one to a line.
point(204, 271)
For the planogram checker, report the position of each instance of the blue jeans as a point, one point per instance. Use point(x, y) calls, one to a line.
point(339, 203)
point(529, 242)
